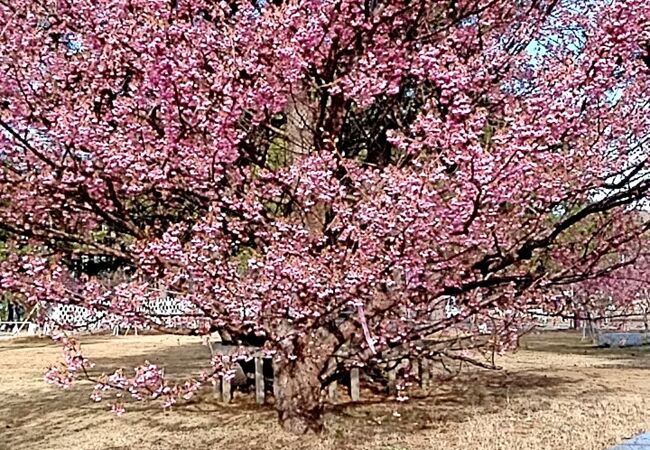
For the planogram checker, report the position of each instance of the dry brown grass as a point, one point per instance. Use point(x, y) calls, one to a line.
point(556, 393)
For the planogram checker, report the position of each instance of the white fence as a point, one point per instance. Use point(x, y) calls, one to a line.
point(165, 311)
point(8, 329)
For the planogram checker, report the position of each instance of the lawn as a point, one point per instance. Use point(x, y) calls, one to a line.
point(555, 393)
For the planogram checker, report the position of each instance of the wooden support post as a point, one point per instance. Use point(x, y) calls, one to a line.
point(259, 381)
point(354, 384)
point(415, 367)
point(226, 390)
point(332, 391)
point(216, 389)
point(275, 389)
point(392, 378)
point(425, 374)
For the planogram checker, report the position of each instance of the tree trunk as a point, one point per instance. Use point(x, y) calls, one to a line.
point(298, 395)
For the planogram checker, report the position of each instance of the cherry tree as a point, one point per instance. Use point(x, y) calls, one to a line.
point(619, 296)
point(319, 178)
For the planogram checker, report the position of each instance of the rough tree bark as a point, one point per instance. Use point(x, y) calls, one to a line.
point(297, 385)
point(298, 395)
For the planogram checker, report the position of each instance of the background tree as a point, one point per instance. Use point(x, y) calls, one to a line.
point(319, 177)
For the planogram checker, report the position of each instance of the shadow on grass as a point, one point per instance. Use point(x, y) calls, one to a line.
point(458, 400)
point(477, 392)
point(53, 411)
point(179, 361)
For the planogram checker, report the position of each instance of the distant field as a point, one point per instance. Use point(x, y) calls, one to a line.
point(556, 393)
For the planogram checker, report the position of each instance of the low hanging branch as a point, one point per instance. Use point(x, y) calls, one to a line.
point(340, 183)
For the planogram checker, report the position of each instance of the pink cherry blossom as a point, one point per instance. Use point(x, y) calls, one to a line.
point(330, 182)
